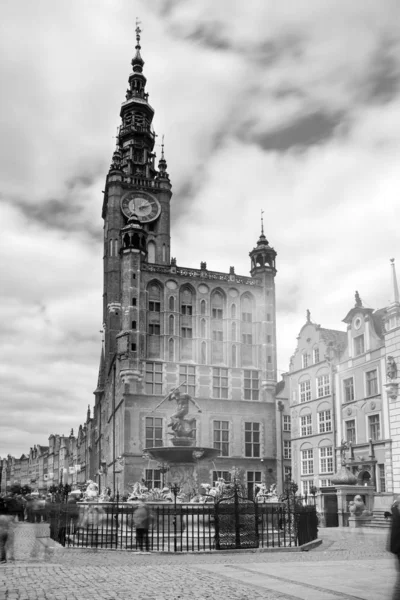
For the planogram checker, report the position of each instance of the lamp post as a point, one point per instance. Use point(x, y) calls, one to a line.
point(163, 468)
point(175, 489)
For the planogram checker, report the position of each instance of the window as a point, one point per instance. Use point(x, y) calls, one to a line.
point(233, 311)
point(325, 482)
point(287, 423)
point(359, 345)
point(187, 373)
point(306, 486)
point(307, 462)
point(220, 383)
point(203, 328)
point(133, 324)
point(268, 339)
point(374, 427)
point(247, 317)
point(133, 347)
point(247, 338)
point(153, 478)
point(171, 324)
point(305, 391)
point(153, 378)
point(225, 475)
point(133, 301)
point(287, 449)
point(287, 472)
point(252, 440)
point(203, 307)
point(154, 306)
point(306, 425)
point(382, 478)
point(153, 432)
point(251, 385)
point(351, 431)
point(217, 335)
point(316, 355)
point(348, 389)
point(217, 313)
point(326, 459)
point(171, 303)
point(253, 477)
point(324, 421)
point(233, 332)
point(304, 360)
point(186, 309)
point(171, 350)
point(221, 437)
point(323, 386)
point(372, 382)
point(154, 329)
point(187, 332)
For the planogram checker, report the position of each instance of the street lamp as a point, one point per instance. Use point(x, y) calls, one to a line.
point(175, 489)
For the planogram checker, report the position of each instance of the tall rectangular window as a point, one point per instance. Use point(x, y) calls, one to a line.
point(306, 486)
point(374, 427)
point(316, 355)
point(217, 335)
point(305, 391)
point(324, 421)
point(359, 345)
point(217, 313)
point(154, 378)
point(348, 389)
point(252, 440)
point(247, 338)
point(382, 478)
point(351, 431)
point(153, 478)
point(323, 386)
point(287, 449)
point(154, 432)
point(154, 306)
point(220, 383)
point(247, 317)
point(304, 360)
point(287, 423)
point(251, 385)
point(253, 477)
point(307, 462)
point(306, 425)
point(186, 309)
point(225, 475)
point(371, 378)
point(221, 437)
point(326, 459)
point(187, 373)
point(186, 332)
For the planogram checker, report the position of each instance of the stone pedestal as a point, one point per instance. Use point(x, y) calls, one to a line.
point(355, 522)
point(346, 493)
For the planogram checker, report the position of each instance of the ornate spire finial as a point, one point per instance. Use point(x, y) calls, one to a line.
point(396, 296)
point(162, 148)
point(358, 300)
point(308, 316)
point(138, 32)
point(262, 222)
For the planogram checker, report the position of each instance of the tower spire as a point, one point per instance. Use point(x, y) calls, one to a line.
point(262, 223)
point(396, 296)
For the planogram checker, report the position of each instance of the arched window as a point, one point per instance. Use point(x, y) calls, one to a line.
point(115, 247)
point(203, 357)
point(171, 303)
point(171, 350)
point(203, 307)
point(171, 325)
point(233, 311)
point(164, 252)
point(203, 328)
point(111, 247)
point(186, 302)
point(234, 356)
point(151, 252)
point(233, 332)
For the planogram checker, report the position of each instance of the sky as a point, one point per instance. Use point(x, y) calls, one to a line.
point(292, 108)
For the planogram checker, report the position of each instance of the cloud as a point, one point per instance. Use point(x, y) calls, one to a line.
point(283, 107)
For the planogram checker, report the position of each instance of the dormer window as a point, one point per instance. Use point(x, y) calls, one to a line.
point(359, 345)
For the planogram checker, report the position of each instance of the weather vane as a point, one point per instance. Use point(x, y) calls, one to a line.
point(262, 222)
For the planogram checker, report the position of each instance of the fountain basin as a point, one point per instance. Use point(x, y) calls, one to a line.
point(181, 454)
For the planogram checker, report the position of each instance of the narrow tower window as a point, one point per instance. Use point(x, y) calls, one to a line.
point(151, 252)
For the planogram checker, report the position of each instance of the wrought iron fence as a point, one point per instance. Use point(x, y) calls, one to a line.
point(183, 527)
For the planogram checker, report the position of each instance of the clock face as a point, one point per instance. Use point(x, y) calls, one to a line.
point(144, 205)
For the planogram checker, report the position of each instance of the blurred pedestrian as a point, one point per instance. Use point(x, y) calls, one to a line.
point(142, 519)
point(6, 535)
point(394, 545)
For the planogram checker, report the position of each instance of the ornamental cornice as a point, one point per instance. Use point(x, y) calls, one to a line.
point(201, 274)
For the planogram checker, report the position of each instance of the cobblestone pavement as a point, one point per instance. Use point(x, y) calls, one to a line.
point(348, 565)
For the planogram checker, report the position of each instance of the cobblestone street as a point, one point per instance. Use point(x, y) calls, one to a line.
point(347, 565)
